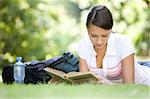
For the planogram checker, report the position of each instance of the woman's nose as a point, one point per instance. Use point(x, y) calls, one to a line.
point(99, 41)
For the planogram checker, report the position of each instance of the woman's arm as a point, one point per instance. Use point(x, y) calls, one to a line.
point(83, 65)
point(84, 68)
point(128, 69)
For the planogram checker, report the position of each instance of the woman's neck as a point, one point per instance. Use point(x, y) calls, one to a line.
point(101, 50)
point(100, 55)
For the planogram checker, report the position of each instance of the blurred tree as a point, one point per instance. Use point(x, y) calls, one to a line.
point(20, 31)
point(35, 29)
point(143, 41)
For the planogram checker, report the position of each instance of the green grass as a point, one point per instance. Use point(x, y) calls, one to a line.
point(63, 91)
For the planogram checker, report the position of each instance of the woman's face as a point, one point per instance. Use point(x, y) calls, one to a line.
point(98, 36)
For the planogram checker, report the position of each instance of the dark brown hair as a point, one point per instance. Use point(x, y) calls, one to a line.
point(100, 16)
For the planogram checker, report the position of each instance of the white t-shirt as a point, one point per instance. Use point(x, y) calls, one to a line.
point(118, 48)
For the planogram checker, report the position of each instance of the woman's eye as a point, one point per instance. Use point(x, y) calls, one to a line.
point(104, 35)
point(93, 35)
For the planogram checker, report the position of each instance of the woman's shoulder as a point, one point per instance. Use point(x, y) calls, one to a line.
point(120, 38)
point(85, 41)
point(86, 44)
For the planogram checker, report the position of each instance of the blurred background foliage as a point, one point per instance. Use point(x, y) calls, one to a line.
point(41, 29)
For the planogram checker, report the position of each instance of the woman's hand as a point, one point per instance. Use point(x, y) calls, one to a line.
point(104, 81)
point(55, 80)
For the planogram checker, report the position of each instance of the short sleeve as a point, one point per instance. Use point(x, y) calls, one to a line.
point(126, 47)
point(81, 49)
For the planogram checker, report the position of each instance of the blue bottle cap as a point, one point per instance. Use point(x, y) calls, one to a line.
point(19, 59)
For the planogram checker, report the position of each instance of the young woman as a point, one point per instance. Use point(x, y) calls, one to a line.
point(109, 55)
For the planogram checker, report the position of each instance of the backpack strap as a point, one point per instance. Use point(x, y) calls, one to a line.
point(67, 56)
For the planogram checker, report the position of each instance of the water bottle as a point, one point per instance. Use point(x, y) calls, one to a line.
point(19, 71)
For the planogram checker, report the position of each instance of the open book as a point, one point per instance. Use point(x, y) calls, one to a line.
point(73, 77)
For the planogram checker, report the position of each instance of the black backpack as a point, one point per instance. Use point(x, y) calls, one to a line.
point(34, 73)
point(31, 76)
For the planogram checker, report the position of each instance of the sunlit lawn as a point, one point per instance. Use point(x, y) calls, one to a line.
point(63, 91)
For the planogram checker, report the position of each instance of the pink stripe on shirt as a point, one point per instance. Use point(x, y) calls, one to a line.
point(114, 72)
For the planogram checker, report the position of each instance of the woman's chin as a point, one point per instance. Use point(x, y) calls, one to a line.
point(98, 47)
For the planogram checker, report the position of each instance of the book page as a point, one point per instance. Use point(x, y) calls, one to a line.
point(72, 74)
point(55, 72)
point(82, 77)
